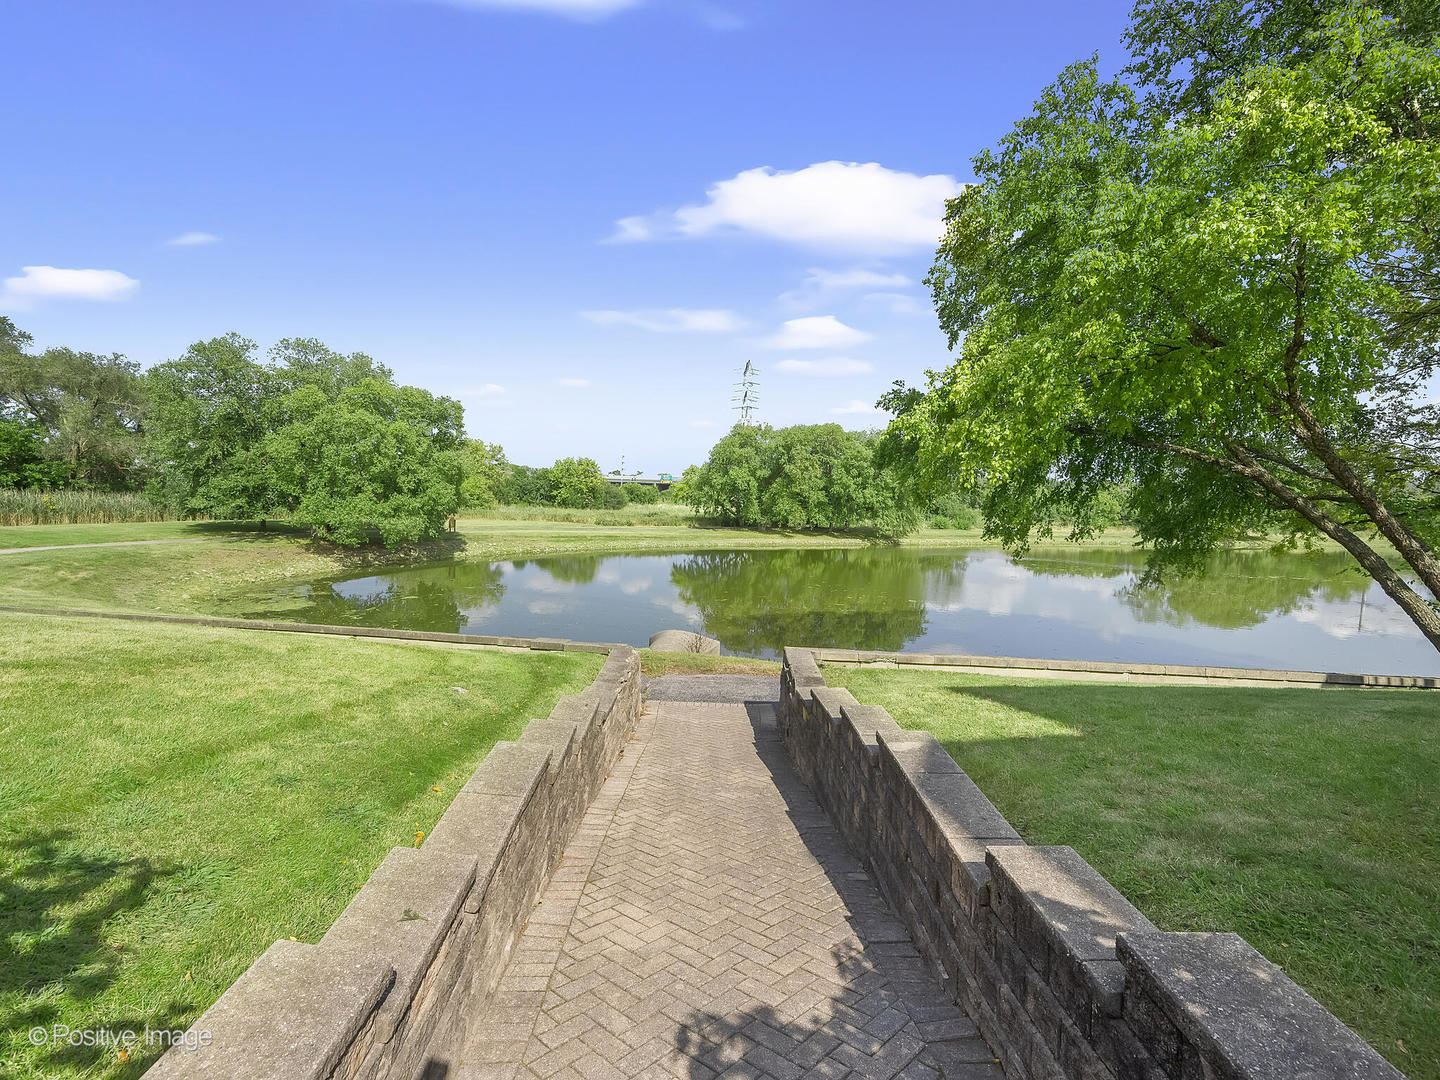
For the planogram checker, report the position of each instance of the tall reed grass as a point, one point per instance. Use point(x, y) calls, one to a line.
point(28, 506)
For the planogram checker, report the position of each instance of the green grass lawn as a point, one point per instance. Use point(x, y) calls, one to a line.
point(1307, 821)
point(174, 799)
point(25, 536)
point(658, 664)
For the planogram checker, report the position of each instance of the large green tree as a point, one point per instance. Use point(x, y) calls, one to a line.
point(1221, 287)
point(485, 470)
point(577, 482)
point(376, 456)
point(209, 412)
point(323, 438)
point(810, 476)
point(81, 411)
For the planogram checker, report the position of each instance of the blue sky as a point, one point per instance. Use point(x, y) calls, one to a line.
point(578, 216)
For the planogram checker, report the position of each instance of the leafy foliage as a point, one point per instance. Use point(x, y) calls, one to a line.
point(576, 483)
point(484, 469)
point(68, 417)
point(377, 456)
point(1226, 296)
point(326, 439)
point(816, 476)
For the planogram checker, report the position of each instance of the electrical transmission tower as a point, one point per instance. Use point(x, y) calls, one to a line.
point(747, 393)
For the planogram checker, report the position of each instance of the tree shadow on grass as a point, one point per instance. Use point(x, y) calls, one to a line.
point(57, 900)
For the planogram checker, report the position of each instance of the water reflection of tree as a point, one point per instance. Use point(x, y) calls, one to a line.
point(761, 601)
point(435, 598)
point(1237, 590)
point(1244, 588)
point(577, 569)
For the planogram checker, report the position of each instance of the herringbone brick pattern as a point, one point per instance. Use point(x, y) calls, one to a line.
point(707, 921)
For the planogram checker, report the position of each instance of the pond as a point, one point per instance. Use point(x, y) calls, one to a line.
point(1253, 609)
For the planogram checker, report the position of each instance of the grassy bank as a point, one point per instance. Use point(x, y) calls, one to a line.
point(1306, 820)
point(174, 799)
point(657, 664)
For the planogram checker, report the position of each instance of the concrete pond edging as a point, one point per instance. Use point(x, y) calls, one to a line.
point(1064, 977)
point(1151, 672)
point(420, 949)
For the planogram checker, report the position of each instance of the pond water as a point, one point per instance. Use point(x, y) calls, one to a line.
point(1253, 609)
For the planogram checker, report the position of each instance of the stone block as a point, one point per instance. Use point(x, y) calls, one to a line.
point(292, 1016)
point(802, 668)
point(969, 871)
point(684, 641)
point(400, 916)
point(957, 807)
point(1054, 897)
point(870, 722)
point(558, 736)
point(509, 769)
point(833, 701)
point(917, 751)
point(1240, 1014)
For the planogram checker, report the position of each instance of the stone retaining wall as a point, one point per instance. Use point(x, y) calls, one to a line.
point(1062, 974)
point(420, 949)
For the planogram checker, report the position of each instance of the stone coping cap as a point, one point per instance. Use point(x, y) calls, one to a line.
point(509, 769)
point(399, 918)
point(1240, 1009)
point(917, 751)
point(1109, 667)
point(291, 1016)
point(1078, 911)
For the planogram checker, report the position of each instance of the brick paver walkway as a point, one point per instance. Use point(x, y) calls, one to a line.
point(708, 921)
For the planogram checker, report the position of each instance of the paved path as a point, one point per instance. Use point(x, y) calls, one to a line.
point(107, 543)
point(706, 921)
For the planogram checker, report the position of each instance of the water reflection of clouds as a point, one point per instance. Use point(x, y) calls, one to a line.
point(1279, 611)
point(998, 586)
point(1351, 618)
point(543, 582)
point(676, 606)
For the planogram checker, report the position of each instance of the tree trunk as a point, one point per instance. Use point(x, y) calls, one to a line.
point(1411, 549)
point(1421, 613)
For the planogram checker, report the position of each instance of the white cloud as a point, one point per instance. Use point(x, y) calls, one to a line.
point(897, 303)
point(815, 332)
point(670, 320)
point(819, 284)
point(572, 383)
point(833, 367)
point(488, 389)
point(839, 205)
point(193, 239)
point(855, 408)
point(858, 278)
point(54, 283)
point(579, 9)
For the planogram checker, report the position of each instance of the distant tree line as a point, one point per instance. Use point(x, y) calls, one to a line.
point(325, 440)
point(574, 483)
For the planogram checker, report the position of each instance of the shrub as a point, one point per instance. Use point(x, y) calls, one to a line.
point(951, 511)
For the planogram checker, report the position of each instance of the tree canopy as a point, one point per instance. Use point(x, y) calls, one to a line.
point(810, 476)
point(325, 439)
point(66, 417)
point(1217, 282)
